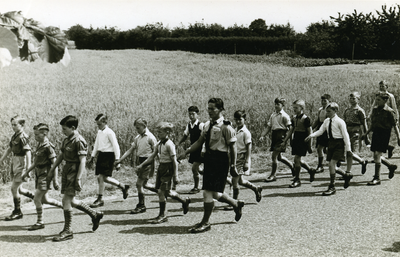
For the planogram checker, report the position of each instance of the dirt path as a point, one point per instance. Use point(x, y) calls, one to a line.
point(358, 221)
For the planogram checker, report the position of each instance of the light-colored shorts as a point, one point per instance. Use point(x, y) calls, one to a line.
point(240, 161)
point(17, 166)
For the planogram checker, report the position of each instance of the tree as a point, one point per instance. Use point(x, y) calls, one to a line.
point(258, 27)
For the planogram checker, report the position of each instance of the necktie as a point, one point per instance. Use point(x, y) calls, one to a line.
point(330, 129)
point(208, 135)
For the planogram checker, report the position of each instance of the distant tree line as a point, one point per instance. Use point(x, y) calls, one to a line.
point(358, 35)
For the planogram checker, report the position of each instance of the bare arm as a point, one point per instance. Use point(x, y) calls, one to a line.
point(5, 154)
point(126, 154)
point(28, 156)
point(59, 159)
point(183, 139)
point(149, 160)
point(288, 135)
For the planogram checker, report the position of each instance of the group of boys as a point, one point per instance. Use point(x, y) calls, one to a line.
point(223, 150)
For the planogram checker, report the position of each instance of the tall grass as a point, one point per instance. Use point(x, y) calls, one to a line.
point(161, 86)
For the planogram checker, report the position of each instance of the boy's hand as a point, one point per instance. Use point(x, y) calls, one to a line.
point(55, 184)
point(307, 139)
point(261, 139)
point(246, 169)
point(78, 185)
point(25, 176)
point(117, 162)
point(176, 180)
point(181, 157)
point(309, 149)
point(89, 163)
point(117, 165)
point(233, 171)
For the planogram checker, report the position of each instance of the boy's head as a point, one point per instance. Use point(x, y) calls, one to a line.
point(279, 103)
point(193, 113)
point(101, 121)
point(383, 86)
point(331, 109)
point(17, 123)
point(69, 124)
point(299, 106)
point(381, 98)
point(215, 107)
point(164, 129)
point(325, 99)
point(140, 125)
point(354, 98)
point(239, 117)
point(41, 130)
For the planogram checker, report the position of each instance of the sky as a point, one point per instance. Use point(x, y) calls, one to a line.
point(128, 14)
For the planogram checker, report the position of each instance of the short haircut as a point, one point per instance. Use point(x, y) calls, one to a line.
point(218, 103)
point(355, 94)
point(383, 82)
point(193, 109)
point(41, 126)
point(240, 114)
point(326, 97)
point(383, 95)
point(301, 103)
point(70, 121)
point(166, 126)
point(333, 106)
point(101, 117)
point(140, 121)
point(280, 100)
point(19, 120)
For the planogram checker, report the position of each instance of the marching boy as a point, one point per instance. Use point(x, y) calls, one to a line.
point(73, 151)
point(278, 124)
point(300, 129)
point(20, 161)
point(382, 120)
point(219, 139)
point(107, 148)
point(166, 172)
point(338, 144)
point(193, 131)
point(45, 156)
point(144, 147)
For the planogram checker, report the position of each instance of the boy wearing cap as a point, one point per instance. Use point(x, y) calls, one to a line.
point(338, 144)
point(73, 151)
point(193, 131)
point(166, 172)
point(300, 129)
point(144, 146)
point(107, 148)
point(322, 141)
point(278, 123)
point(382, 120)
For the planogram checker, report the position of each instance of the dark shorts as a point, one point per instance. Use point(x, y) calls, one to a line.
point(299, 146)
point(277, 138)
point(336, 150)
point(105, 163)
point(354, 134)
point(216, 168)
point(42, 182)
point(68, 178)
point(144, 173)
point(380, 140)
point(323, 140)
point(196, 157)
point(165, 172)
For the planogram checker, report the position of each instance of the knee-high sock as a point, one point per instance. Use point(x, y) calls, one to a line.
point(249, 185)
point(208, 208)
point(196, 179)
point(150, 188)
point(274, 168)
point(305, 166)
point(39, 212)
point(320, 161)
point(385, 162)
point(377, 170)
point(226, 199)
point(68, 220)
point(162, 208)
point(235, 193)
point(297, 172)
point(27, 193)
point(333, 177)
point(175, 196)
point(54, 202)
point(86, 209)
point(141, 199)
point(17, 204)
point(286, 162)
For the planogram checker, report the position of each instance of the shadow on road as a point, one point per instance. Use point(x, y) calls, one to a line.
point(394, 249)
point(23, 239)
point(18, 228)
point(125, 222)
point(157, 230)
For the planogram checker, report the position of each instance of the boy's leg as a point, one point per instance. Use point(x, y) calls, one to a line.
point(196, 178)
point(149, 186)
point(376, 179)
point(140, 207)
point(26, 192)
point(392, 167)
point(204, 224)
point(390, 151)
point(39, 194)
point(235, 185)
point(99, 201)
point(332, 173)
point(297, 168)
point(360, 161)
point(285, 161)
point(348, 176)
point(66, 233)
point(16, 213)
point(274, 158)
point(236, 204)
point(124, 188)
point(47, 200)
point(256, 189)
point(96, 216)
point(320, 167)
point(174, 195)
point(310, 170)
point(162, 217)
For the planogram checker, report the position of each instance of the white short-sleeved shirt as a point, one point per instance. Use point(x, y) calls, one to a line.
point(144, 144)
point(243, 137)
point(166, 151)
point(221, 135)
point(279, 120)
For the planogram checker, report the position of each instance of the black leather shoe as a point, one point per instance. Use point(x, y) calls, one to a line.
point(374, 182)
point(14, 216)
point(63, 236)
point(258, 194)
point(238, 210)
point(392, 169)
point(312, 174)
point(295, 183)
point(36, 226)
point(331, 191)
point(194, 191)
point(185, 206)
point(97, 203)
point(139, 209)
point(319, 170)
point(347, 179)
point(197, 225)
point(271, 179)
point(125, 191)
point(202, 228)
point(159, 219)
point(364, 166)
point(96, 220)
